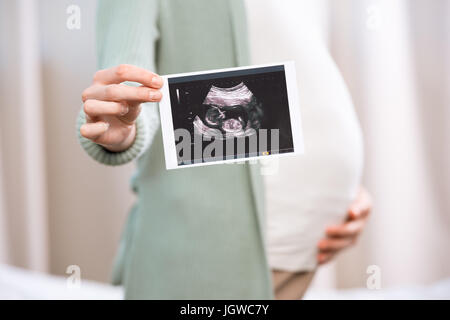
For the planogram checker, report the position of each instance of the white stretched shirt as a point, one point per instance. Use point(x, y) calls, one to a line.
point(306, 193)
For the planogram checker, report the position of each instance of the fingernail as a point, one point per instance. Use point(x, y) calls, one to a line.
point(106, 125)
point(354, 213)
point(155, 95)
point(125, 110)
point(157, 81)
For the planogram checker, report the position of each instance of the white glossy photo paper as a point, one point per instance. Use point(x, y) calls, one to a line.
point(230, 115)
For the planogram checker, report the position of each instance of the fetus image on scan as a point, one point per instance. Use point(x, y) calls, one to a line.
point(246, 112)
point(228, 113)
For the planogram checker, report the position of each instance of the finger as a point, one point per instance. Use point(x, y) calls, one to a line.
point(93, 131)
point(347, 229)
point(95, 108)
point(121, 92)
point(335, 244)
point(358, 213)
point(323, 258)
point(362, 205)
point(131, 115)
point(127, 72)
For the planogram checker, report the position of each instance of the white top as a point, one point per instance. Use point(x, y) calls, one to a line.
point(309, 192)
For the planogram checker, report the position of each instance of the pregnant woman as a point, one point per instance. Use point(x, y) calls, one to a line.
point(184, 239)
point(181, 240)
point(307, 194)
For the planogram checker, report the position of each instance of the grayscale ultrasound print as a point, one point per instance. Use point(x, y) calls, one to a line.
point(233, 105)
point(228, 113)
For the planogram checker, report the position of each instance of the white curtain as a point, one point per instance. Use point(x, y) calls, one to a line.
point(394, 55)
point(57, 206)
point(4, 251)
point(24, 196)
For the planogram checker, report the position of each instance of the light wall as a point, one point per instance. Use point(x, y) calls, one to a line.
point(87, 202)
point(84, 204)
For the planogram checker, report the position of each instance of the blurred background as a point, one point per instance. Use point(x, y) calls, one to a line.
point(59, 208)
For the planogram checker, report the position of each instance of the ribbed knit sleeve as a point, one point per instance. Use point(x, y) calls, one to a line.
point(126, 34)
point(145, 128)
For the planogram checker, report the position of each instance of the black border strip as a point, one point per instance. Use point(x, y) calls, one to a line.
point(225, 74)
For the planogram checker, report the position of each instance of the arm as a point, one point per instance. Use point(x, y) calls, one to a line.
point(111, 127)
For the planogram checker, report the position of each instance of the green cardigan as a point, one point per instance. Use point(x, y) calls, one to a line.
point(194, 233)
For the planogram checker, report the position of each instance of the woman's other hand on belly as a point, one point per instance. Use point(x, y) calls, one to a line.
point(339, 237)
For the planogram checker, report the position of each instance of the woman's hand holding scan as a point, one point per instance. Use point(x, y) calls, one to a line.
point(112, 107)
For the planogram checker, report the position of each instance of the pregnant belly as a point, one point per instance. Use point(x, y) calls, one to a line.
point(307, 193)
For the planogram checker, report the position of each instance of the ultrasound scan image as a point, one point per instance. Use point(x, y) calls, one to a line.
point(228, 113)
point(233, 105)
